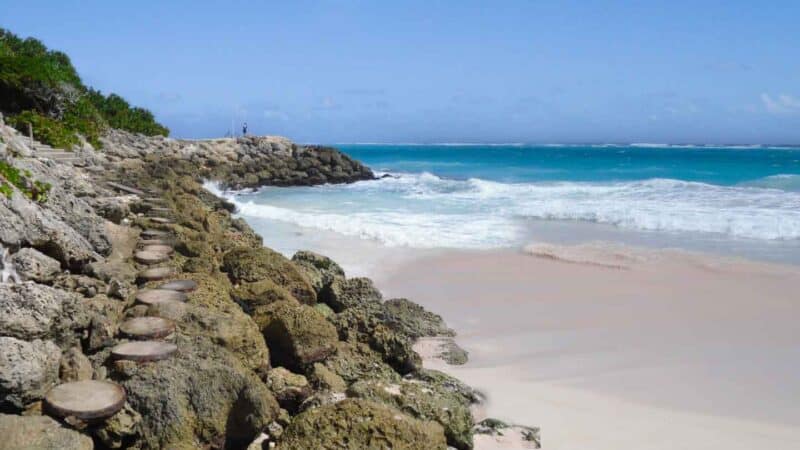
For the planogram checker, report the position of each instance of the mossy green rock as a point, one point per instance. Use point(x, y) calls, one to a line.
point(297, 335)
point(260, 293)
point(360, 424)
point(342, 294)
point(319, 269)
point(355, 361)
point(201, 397)
point(255, 264)
point(423, 400)
point(290, 389)
point(413, 320)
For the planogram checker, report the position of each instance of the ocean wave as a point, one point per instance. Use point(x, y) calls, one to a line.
point(424, 210)
point(784, 182)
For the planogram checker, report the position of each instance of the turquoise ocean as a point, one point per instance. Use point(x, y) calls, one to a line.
point(740, 201)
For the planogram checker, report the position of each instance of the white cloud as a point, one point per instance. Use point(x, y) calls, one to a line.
point(781, 104)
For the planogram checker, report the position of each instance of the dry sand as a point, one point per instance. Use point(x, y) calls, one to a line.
point(617, 348)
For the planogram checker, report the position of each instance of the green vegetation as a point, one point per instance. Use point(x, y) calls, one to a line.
point(41, 87)
point(33, 189)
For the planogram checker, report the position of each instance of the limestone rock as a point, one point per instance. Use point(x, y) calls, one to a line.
point(260, 293)
point(290, 389)
point(356, 423)
point(413, 320)
point(202, 395)
point(75, 366)
point(39, 433)
point(342, 294)
point(427, 400)
point(297, 334)
point(255, 264)
point(27, 370)
point(29, 311)
point(320, 270)
point(324, 379)
point(34, 265)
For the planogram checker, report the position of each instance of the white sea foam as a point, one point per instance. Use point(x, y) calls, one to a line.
point(424, 210)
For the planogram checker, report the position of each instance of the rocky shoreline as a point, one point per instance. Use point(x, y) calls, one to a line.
point(254, 351)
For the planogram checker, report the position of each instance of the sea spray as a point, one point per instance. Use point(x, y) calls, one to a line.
point(9, 273)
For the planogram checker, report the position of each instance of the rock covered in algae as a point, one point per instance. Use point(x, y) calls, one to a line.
point(246, 264)
point(356, 423)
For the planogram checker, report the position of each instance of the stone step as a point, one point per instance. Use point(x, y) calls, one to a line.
point(156, 273)
point(147, 328)
point(153, 296)
point(126, 189)
point(161, 220)
point(180, 285)
point(150, 258)
point(155, 234)
point(158, 248)
point(146, 242)
point(85, 400)
point(144, 351)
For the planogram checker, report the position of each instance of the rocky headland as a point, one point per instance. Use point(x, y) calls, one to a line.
point(128, 285)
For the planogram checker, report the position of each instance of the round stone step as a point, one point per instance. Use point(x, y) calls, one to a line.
point(152, 296)
point(158, 248)
point(146, 242)
point(154, 234)
point(162, 220)
point(156, 273)
point(144, 351)
point(148, 257)
point(154, 200)
point(160, 209)
point(180, 285)
point(144, 328)
point(85, 400)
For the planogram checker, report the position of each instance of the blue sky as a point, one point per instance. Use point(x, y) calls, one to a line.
point(442, 71)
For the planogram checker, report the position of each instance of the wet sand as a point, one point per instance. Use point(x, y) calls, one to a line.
point(620, 348)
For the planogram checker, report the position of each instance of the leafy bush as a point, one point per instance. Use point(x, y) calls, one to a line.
point(33, 189)
point(43, 88)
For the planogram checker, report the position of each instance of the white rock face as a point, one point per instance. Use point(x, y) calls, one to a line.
point(30, 311)
point(34, 265)
point(27, 370)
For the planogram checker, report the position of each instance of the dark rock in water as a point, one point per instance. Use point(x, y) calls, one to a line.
point(255, 264)
point(320, 270)
point(355, 423)
point(297, 335)
point(40, 433)
point(27, 371)
point(342, 294)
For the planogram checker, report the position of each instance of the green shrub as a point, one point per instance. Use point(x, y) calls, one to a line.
point(42, 87)
point(33, 189)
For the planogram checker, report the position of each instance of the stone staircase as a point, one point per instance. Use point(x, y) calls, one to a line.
point(41, 150)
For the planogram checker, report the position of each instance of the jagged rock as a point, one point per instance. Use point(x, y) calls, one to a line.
point(324, 379)
point(413, 320)
point(39, 433)
point(426, 400)
point(30, 311)
point(342, 294)
point(260, 293)
point(354, 361)
point(356, 423)
point(202, 395)
point(24, 223)
point(27, 370)
point(113, 208)
point(297, 334)
point(290, 389)
point(34, 265)
point(75, 366)
point(231, 329)
point(255, 264)
point(320, 270)
point(367, 322)
point(119, 430)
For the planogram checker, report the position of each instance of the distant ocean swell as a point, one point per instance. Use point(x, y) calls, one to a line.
point(423, 210)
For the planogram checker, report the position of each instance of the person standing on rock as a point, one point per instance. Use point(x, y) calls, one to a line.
point(244, 129)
